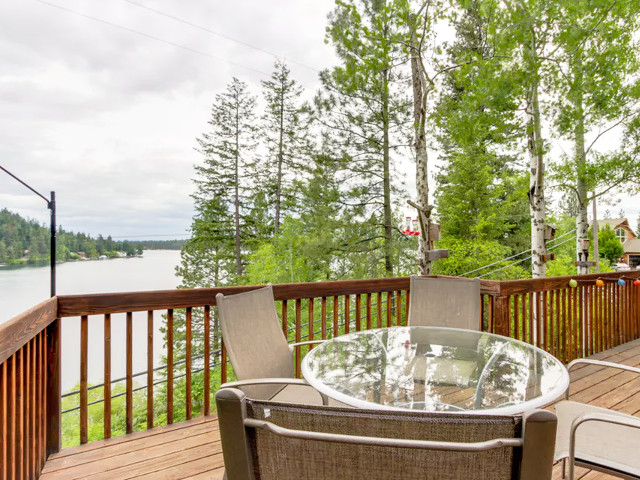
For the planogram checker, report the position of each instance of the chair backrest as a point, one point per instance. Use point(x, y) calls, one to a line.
point(254, 340)
point(444, 302)
point(267, 440)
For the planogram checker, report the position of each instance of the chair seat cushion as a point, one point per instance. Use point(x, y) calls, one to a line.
point(604, 444)
point(302, 394)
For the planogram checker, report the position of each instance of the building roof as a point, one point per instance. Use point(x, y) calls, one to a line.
point(612, 222)
point(632, 246)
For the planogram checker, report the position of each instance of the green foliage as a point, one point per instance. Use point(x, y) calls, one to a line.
point(468, 255)
point(609, 246)
point(26, 242)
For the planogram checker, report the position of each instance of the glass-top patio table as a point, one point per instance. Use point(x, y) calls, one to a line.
point(435, 369)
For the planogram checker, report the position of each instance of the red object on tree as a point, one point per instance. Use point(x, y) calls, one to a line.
point(636, 282)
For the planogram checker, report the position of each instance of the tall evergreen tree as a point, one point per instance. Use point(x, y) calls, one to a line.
point(364, 108)
point(287, 137)
point(223, 194)
point(480, 194)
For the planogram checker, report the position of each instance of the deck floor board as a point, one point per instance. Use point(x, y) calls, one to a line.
point(192, 449)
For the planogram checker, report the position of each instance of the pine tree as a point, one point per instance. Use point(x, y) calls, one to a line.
point(480, 194)
point(287, 138)
point(364, 108)
point(224, 181)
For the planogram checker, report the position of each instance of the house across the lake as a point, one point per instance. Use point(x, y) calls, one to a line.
point(629, 240)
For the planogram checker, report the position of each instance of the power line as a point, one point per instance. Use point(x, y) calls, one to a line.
point(516, 255)
point(522, 260)
point(218, 34)
point(151, 37)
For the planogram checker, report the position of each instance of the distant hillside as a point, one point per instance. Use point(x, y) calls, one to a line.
point(26, 241)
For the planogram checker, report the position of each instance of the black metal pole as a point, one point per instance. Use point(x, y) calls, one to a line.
point(52, 207)
point(51, 204)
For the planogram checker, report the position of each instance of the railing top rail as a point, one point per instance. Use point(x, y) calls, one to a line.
point(15, 333)
point(95, 304)
point(512, 287)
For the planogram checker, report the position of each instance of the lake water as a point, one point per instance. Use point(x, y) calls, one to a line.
point(25, 287)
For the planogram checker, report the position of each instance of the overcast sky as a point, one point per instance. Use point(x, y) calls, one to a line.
point(108, 117)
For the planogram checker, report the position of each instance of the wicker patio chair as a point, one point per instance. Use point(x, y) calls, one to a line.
point(268, 440)
point(259, 351)
point(444, 302)
point(598, 438)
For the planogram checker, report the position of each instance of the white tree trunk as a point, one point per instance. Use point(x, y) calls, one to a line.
point(418, 77)
point(537, 206)
point(582, 223)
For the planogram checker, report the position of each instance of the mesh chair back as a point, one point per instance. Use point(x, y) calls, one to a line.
point(445, 302)
point(256, 453)
point(254, 340)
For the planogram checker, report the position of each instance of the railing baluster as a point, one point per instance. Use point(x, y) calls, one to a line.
point(38, 403)
point(336, 327)
point(358, 312)
point(129, 381)
point(347, 313)
point(368, 311)
point(3, 421)
point(323, 318)
point(32, 408)
point(379, 309)
point(223, 356)
point(27, 409)
point(298, 355)
point(285, 326)
point(170, 366)
point(42, 402)
point(516, 319)
point(188, 403)
point(150, 369)
point(389, 308)
point(399, 307)
point(207, 360)
point(406, 308)
point(107, 376)
point(20, 410)
point(551, 347)
point(12, 416)
point(84, 354)
point(312, 322)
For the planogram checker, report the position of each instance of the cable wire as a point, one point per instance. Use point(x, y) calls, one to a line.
point(151, 37)
point(218, 34)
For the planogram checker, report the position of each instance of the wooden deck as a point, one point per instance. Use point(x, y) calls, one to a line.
point(192, 449)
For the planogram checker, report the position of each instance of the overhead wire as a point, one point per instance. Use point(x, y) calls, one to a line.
point(151, 37)
point(522, 260)
point(516, 255)
point(218, 34)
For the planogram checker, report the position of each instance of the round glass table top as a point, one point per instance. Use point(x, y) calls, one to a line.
point(435, 369)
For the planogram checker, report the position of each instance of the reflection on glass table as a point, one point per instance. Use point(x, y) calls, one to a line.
point(435, 369)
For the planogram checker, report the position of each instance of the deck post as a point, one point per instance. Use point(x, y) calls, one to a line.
point(53, 388)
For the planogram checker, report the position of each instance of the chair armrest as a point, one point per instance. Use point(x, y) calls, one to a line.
point(264, 381)
point(627, 421)
point(384, 442)
point(273, 381)
point(601, 363)
point(308, 342)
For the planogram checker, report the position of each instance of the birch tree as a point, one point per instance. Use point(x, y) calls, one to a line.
point(596, 67)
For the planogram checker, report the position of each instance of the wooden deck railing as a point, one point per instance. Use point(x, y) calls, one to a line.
point(29, 391)
point(567, 322)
